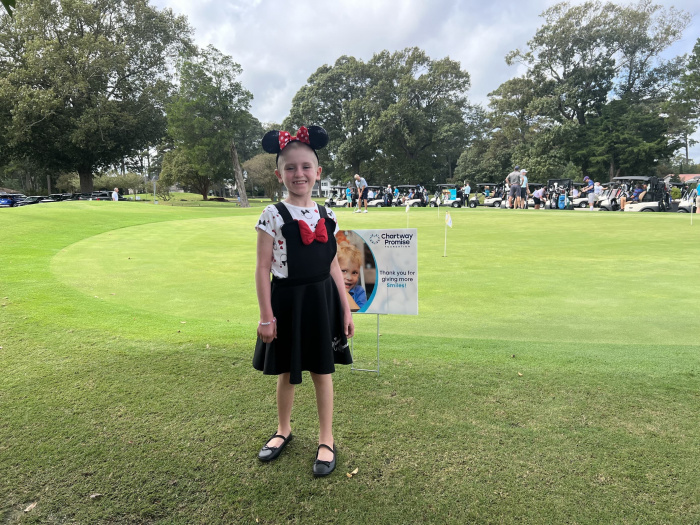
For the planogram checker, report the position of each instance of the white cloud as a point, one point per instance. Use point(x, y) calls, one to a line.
point(280, 44)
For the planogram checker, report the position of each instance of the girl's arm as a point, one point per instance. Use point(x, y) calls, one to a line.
point(262, 284)
point(347, 316)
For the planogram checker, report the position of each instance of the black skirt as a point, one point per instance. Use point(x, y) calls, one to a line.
point(310, 330)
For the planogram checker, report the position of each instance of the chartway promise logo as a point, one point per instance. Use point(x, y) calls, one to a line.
point(397, 240)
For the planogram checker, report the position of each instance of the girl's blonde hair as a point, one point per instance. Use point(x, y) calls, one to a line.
point(349, 252)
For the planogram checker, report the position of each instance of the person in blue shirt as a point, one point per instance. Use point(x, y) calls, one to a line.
point(348, 196)
point(524, 189)
point(589, 188)
point(634, 197)
point(350, 261)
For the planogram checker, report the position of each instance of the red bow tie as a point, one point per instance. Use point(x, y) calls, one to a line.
point(302, 136)
point(307, 236)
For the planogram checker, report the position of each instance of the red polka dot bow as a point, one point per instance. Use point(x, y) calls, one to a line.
point(307, 236)
point(302, 136)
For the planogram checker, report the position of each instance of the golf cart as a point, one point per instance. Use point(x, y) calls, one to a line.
point(687, 202)
point(447, 195)
point(411, 195)
point(654, 198)
point(559, 193)
point(582, 200)
point(338, 199)
point(377, 201)
point(482, 188)
point(493, 194)
point(609, 200)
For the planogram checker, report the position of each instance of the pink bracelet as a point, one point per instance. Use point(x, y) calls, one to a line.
point(274, 320)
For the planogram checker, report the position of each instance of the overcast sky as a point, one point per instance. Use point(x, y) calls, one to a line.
point(280, 44)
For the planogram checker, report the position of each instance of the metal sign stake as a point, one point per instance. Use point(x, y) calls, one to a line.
point(352, 347)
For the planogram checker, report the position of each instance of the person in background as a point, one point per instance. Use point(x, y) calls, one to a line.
point(538, 197)
point(589, 188)
point(597, 191)
point(115, 194)
point(524, 189)
point(362, 193)
point(467, 190)
point(513, 180)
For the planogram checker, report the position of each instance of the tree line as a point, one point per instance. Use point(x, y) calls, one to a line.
point(95, 87)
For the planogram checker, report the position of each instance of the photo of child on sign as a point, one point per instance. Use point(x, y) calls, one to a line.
point(358, 268)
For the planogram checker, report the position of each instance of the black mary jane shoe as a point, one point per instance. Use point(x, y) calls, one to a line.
point(269, 453)
point(323, 468)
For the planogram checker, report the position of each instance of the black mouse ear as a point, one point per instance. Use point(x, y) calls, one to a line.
point(271, 141)
point(318, 137)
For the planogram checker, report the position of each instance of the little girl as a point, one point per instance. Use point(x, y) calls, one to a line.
point(305, 318)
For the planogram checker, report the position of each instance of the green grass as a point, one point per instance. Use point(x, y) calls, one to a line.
point(195, 199)
point(552, 374)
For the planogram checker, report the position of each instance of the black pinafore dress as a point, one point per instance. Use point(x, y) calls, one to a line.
point(310, 330)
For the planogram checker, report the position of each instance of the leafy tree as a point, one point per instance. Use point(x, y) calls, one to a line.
point(588, 65)
point(206, 118)
point(397, 118)
point(627, 139)
point(585, 52)
point(177, 169)
point(68, 182)
point(417, 102)
point(335, 97)
point(261, 172)
point(87, 88)
point(683, 108)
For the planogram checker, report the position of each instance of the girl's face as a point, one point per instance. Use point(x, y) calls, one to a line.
point(351, 273)
point(298, 169)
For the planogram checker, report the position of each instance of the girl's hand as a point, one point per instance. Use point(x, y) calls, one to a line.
point(267, 332)
point(349, 325)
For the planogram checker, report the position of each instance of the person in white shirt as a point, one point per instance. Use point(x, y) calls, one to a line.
point(115, 194)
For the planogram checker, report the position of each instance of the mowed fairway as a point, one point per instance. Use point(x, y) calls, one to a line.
point(552, 376)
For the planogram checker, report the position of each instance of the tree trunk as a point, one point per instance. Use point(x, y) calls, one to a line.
point(48, 184)
point(612, 169)
point(85, 180)
point(238, 173)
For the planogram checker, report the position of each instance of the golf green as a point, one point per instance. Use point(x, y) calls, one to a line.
point(565, 276)
point(191, 268)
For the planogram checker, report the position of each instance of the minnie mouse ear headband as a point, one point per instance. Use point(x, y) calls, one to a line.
point(314, 136)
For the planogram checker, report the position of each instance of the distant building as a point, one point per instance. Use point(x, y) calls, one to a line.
point(322, 188)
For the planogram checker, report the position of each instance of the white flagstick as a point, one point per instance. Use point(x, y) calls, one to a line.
point(407, 215)
point(445, 252)
point(691, 206)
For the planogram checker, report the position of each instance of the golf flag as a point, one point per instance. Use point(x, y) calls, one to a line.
point(448, 219)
